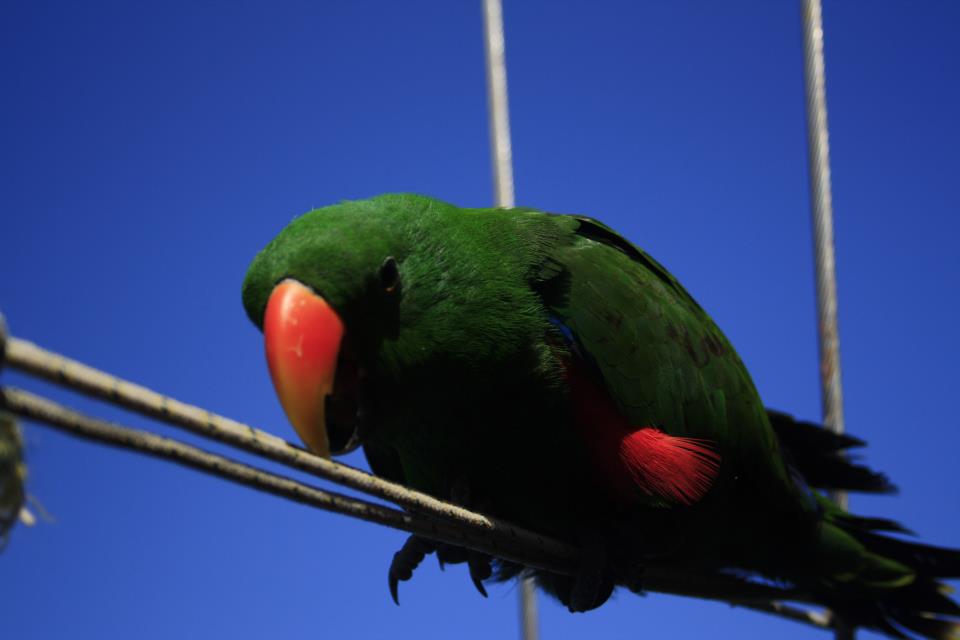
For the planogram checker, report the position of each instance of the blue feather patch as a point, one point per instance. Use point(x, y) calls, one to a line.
point(564, 330)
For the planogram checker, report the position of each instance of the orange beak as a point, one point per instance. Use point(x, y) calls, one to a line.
point(303, 335)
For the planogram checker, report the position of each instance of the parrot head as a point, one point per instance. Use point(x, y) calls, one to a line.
point(381, 285)
point(321, 291)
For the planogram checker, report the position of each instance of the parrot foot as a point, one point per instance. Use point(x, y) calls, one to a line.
point(415, 549)
point(592, 586)
point(406, 560)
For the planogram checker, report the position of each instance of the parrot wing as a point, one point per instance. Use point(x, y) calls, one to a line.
point(680, 398)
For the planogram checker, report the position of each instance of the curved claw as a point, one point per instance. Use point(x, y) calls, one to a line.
point(405, 561)
point(480, 570)
point(477, 582)
point(394, 586)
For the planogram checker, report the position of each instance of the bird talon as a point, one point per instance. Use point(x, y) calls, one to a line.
point(394, 593)
point(405, 561)
point(480, 570)
point(479, 585)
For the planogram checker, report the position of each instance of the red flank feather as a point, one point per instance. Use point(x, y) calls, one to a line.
point(679, 469)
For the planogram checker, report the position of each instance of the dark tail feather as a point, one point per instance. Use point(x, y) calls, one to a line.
point(927, 560)
point(820, 457)
point(808, 436)
point(851, 522)
point(835, 472)
point(896, 623)
point(926, 625)
point(922, 607)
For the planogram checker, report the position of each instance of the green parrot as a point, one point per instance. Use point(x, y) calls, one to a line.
point(542, 369)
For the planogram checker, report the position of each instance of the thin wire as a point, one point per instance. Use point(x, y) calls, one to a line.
point(500, 147)
point(821, 202)
point(501, 154)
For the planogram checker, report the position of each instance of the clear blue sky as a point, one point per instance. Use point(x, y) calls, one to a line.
point(149, 151)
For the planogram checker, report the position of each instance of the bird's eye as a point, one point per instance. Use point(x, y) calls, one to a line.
point(390, 275)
